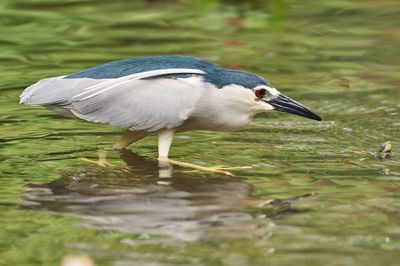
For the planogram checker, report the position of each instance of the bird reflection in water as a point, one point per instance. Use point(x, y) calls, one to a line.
point(151, 199)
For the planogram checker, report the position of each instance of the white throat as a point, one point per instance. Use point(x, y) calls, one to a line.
point(229, 108)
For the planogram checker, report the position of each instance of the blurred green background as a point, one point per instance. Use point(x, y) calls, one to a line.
point(316, 195)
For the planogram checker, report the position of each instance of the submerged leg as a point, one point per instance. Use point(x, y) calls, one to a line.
point(128, 138)
point(102, 160)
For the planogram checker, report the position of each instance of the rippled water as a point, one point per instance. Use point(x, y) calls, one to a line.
point(317, 193)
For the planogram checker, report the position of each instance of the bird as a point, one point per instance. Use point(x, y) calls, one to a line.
point(162, 95)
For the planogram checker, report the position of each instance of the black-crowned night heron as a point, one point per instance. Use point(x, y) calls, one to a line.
point(162, 95)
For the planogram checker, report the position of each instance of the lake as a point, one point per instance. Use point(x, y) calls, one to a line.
point(317, 192)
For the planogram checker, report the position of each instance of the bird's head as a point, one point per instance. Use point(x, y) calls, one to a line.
point(274, 100)
point(264, 96)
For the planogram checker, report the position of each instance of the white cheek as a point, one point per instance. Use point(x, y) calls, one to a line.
point(263, 107)
point(269, 107)
point(241, 101)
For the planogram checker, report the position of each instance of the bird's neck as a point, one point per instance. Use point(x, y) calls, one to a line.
point(230, 108)
point(238, 106)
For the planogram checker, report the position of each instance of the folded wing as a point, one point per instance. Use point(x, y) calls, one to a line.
point(147, 101)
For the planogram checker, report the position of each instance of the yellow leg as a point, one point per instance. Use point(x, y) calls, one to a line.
point(197, 168)
point(102, 160)
point(128, 138)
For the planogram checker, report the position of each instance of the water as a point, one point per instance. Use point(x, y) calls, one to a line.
point(316, 195)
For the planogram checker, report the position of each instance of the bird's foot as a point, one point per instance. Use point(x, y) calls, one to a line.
point(197, 168)
point(102, 162)
point(98, 163)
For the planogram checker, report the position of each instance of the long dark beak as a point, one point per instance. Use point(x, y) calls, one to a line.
point(285, 104)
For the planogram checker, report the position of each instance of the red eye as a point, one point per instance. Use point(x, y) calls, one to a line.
point(260, 93)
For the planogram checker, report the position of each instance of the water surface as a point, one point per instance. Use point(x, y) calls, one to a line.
point(316, 195)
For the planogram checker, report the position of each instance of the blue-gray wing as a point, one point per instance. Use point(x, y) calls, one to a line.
point(150, 104)
point(147, 102)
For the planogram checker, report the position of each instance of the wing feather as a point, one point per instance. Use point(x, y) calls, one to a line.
point(148, 100)
point(107, 85)
point(148, 105)
point(60, 90)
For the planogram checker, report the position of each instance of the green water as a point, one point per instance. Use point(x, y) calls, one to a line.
point(316, 195)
